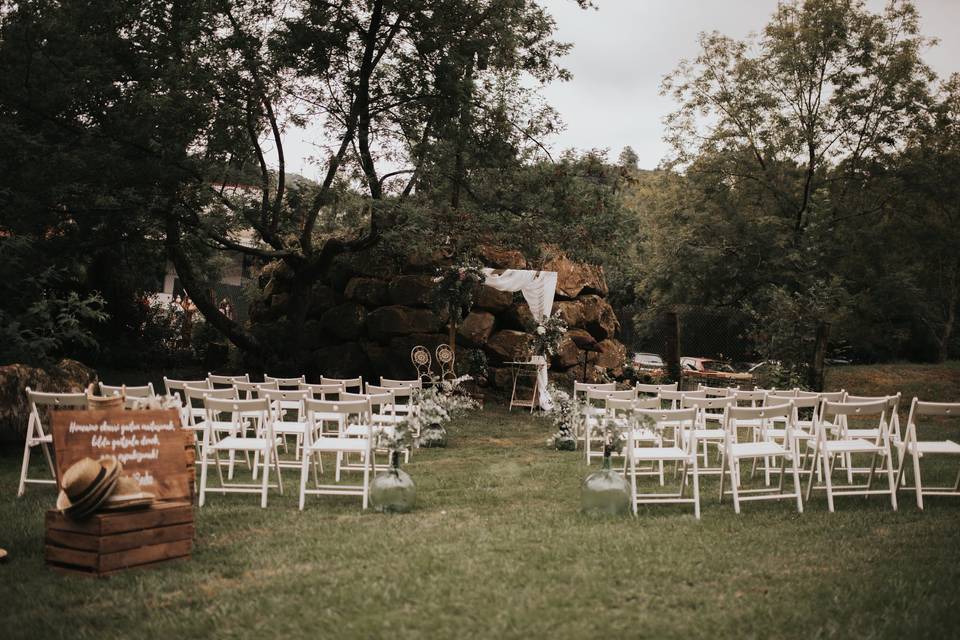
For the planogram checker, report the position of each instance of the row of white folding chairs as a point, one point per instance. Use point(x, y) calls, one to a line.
point(384, 413)
point(831, 438)
point(355, 435)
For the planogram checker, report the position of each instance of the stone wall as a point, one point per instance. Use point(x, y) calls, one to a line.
point(368, 315)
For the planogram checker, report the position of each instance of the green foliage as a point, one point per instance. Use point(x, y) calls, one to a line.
point(455, 288)
point(42, 316)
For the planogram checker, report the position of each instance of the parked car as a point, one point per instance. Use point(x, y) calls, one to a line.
point(648, 361)
point(711, 369)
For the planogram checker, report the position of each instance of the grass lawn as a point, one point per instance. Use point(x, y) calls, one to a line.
point(497, 548)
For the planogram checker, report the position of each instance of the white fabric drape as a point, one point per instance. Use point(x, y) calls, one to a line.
point(538, 289)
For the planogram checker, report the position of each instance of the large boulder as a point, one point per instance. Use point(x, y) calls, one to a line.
point(412, 291)
point(68, 376)
point(500, 258)
point(508, 345)
point(490, 299)
point(598, 317)
point(519, 317)
point(567, 355)
point(612, 356)
point(575, 278)
point(345, 360)
point(569, 311)
point(372, 292)
point(345, 321)
point(322, 299)
point(397, 320)
point(476, 328)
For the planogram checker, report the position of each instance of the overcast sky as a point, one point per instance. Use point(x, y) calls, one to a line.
point(622, 51)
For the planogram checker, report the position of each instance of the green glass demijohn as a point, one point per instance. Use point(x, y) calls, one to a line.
point(393, 491)
point(605, 492)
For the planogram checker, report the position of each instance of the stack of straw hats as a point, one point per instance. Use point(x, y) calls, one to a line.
point(92, 485)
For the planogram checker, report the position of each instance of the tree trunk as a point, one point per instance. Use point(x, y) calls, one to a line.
point(815, 374)
point(943, 340)
point(672, 345)
point(195, 288)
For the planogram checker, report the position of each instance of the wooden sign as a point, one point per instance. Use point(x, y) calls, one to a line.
point(149, 444)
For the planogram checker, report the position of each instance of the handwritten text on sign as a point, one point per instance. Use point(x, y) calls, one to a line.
point(149, 444)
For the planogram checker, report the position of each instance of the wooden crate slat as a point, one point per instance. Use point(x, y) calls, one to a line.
point(120, 541)
point(144, 555)
point(88, 573)
point(159, 514)
point(75, 557)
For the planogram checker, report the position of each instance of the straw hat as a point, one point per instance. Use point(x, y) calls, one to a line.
point(86, 485)
point(127, 495)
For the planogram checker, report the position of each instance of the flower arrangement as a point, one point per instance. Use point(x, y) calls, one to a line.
point(437, 405)
point(455, 288)
point(567, 418)
point(547, 336)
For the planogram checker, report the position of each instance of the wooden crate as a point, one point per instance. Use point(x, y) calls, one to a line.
point(110, 542)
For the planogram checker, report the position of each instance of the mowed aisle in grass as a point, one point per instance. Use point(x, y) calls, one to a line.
point(497, 547)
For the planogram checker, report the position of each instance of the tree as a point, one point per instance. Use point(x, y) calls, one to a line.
point(784, 141)
point(161, 105)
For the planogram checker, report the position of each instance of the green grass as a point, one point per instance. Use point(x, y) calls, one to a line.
point(498, 548)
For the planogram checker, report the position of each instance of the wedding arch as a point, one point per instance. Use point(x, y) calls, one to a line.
point(538, 289)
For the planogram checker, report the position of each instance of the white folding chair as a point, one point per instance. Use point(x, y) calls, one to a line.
point(352, 413)
point(622, 411)
point(197, 416)
point(352, 385)
point(766, 448)
point(177, 387)
point(917, 449)
point(580, 390)
point(262, 443)
point(870, 433)
point(665, 448)
point(289, 418)
point(38, 436)
point(709, 430)
point(594, 410)
point(828, 448)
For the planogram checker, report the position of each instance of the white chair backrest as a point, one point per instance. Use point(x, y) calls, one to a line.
point(762, 415)
point(359, 409)
point(346, 383)
point(387, 382)
point(276, 396)
point(833, 396)
point(177, 386)
point(655, 389)
point(670, 422)
point(716, 392)
point(226, 381)
point(322, 391)
point(56, 400)
point(145, 391)
point(920, 408)
point(581, 388)
point(199, 393)
point(293, 383)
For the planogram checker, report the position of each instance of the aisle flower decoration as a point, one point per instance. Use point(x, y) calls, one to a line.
point(567, 418)
point(437, 405)
point(547, 336)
